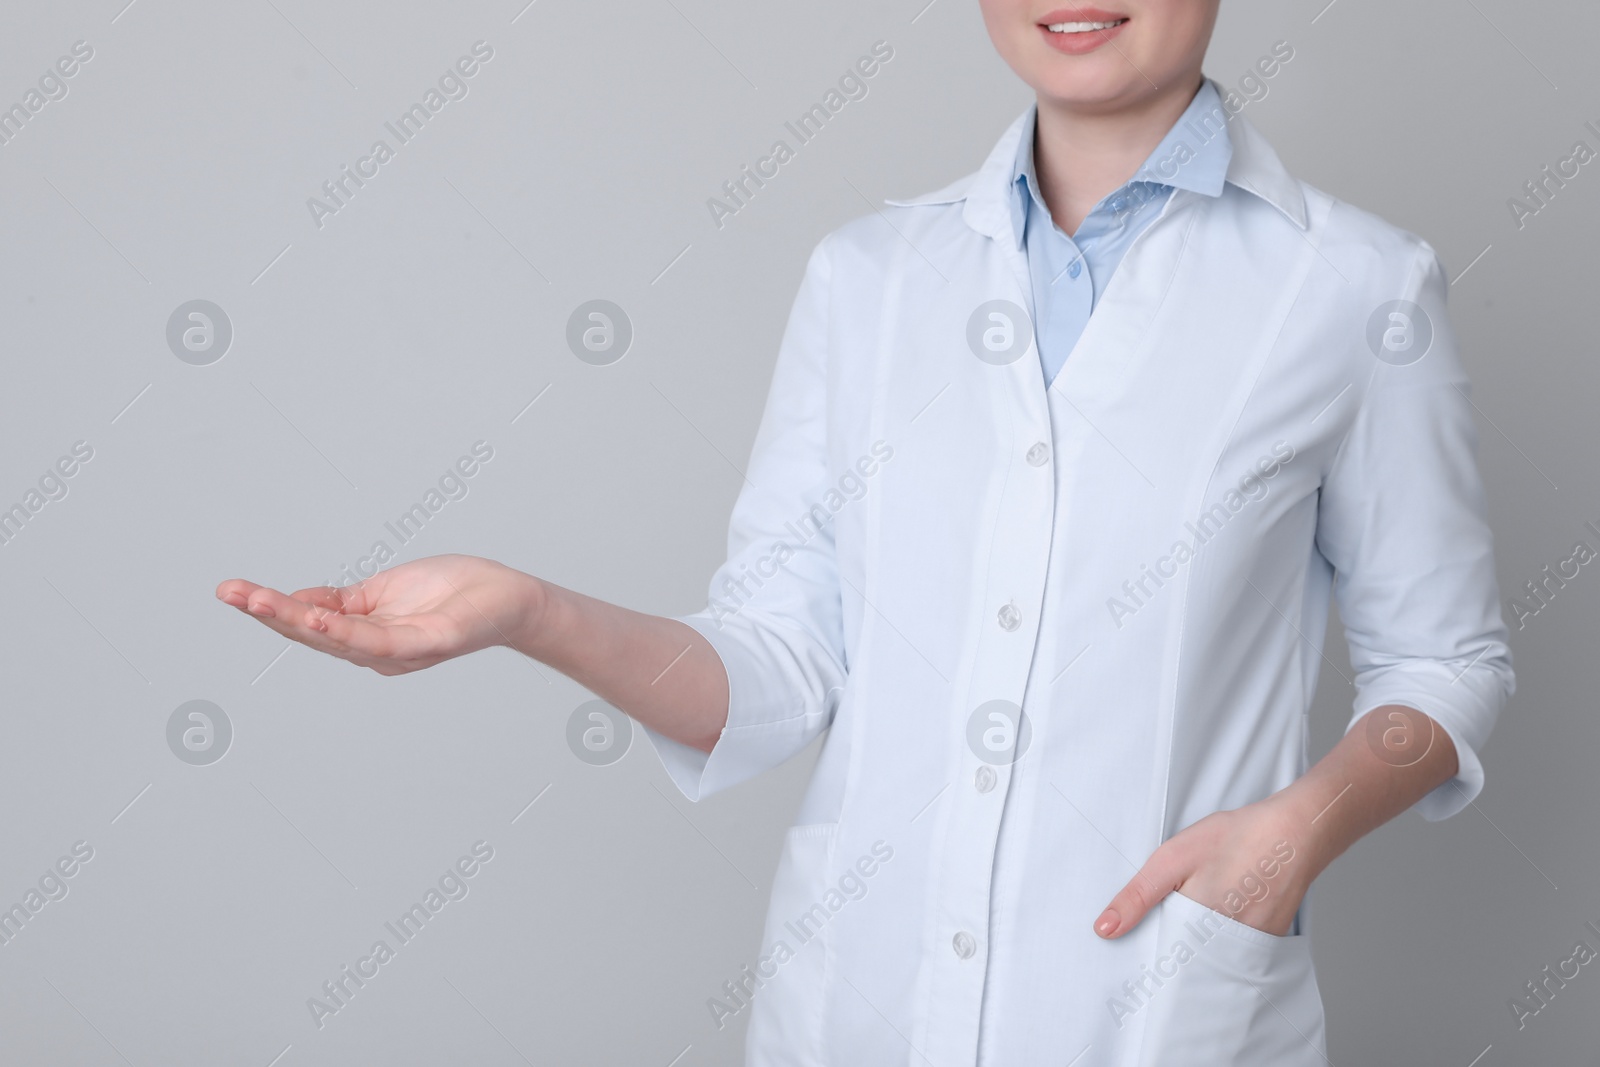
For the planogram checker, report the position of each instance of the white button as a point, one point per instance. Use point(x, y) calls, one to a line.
point(1010, 618)
point(1038, 454)
point(964, 944)
point(983, 780)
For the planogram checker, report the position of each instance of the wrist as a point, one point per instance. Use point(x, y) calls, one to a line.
point(1309, 807)
point(532, 603)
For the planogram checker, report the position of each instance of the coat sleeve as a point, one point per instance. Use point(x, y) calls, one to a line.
point(1402, 518)
point(774, 613)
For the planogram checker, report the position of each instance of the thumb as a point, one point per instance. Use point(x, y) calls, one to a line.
point(1160, 875)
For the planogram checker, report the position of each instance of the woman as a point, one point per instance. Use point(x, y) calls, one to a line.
point(1057, 471)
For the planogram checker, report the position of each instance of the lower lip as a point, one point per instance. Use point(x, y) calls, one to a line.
point(1077, 44)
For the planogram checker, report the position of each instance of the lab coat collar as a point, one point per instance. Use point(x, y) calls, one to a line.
point(1255, 168)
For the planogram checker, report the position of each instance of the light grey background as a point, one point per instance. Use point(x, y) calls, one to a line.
point(429, 312)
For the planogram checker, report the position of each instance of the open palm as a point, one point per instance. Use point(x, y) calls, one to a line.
point(400, 620)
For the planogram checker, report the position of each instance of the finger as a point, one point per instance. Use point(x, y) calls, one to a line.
point(236, 591)
point(259, 600)
point(320, 596)
point(291, 618)
point(327, 598)
point(359, 598)
point(299, 620)
point(1161, 874)
point(285, 614)
point(268, 603)
point(390, 641)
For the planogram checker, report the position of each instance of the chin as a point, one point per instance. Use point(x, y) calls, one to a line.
point(1089, 87)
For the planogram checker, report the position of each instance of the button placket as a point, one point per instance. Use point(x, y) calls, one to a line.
point(959, 897)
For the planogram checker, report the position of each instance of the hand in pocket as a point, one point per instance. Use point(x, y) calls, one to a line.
point(1248, 864)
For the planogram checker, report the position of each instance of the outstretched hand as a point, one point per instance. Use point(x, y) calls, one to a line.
point(400, 620)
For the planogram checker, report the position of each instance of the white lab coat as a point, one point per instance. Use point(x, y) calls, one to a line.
point(968, 540)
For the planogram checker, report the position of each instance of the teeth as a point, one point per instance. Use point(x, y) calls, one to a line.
point(1082, 27)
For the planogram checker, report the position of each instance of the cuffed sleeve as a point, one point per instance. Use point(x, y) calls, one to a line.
point(774, 614)
point(1402, 518)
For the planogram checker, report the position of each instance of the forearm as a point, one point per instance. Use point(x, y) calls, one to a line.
point(659, 671)
point(1255, 863)
point(1381, 767)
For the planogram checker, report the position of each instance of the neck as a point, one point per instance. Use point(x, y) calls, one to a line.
point(1080, 156)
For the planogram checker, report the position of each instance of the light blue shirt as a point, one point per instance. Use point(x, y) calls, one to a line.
point(1069, 273)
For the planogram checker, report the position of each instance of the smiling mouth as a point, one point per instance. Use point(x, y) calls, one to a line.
point(1084, 27)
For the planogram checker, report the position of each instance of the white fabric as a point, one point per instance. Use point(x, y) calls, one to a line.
point(1232, 339)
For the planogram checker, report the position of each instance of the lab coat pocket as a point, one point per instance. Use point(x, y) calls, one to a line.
point(1223, 992)
point(786, 1023)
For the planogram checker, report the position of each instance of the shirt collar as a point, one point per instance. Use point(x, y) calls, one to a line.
point(987, 193)
point(1194, 155)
